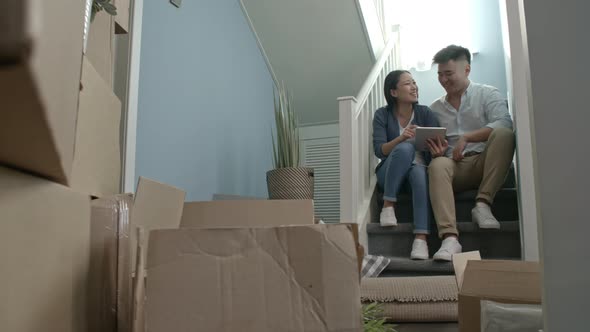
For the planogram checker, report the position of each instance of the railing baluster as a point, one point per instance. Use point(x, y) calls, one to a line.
point(357, 160)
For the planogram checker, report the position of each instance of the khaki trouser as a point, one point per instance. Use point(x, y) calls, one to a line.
point(486, 171)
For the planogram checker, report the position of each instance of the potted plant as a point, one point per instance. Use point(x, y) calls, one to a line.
point(288, 180)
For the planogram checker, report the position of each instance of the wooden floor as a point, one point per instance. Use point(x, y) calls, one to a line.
point(427, 327)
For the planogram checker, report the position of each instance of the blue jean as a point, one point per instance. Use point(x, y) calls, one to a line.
point(398, 170)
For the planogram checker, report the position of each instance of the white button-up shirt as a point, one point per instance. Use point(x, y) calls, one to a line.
point(481, 106)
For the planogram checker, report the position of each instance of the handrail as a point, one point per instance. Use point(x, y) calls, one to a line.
point(357, 161)
point(374, 74)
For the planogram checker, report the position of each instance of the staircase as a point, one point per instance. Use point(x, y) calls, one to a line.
point(396, 242)
point(361, 199)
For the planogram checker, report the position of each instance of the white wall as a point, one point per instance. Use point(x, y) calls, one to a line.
point(558, 51)
point(518, 76)
point(487, 65)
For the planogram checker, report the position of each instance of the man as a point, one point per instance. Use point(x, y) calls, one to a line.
point(478, 151)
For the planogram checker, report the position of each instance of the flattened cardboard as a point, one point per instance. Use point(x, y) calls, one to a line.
point(44, 254)
point(101, 48)
point(124, 268)
point(226, 197)
point(139, 282)
point(247, 213)
point(39, 95)
point(156, 206)
point(122, 18)
point(514, 281)
point(297, 278)
point(102, 293)
point(97, 160)
point(109, 295)
point(460, 263)
point(499, 281)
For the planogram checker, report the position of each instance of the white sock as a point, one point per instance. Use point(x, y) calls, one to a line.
point(482, 205)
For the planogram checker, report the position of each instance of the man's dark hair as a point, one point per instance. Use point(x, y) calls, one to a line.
point(452, 52)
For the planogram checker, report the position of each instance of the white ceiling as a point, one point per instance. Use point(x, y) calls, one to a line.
point(317, 47)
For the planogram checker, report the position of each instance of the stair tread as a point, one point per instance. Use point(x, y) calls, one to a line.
point(469, 195)
point(404, 265)
point(462, 226)
point(429, 265)
point(505, 205)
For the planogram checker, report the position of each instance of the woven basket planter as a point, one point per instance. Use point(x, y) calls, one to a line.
point(290, 183)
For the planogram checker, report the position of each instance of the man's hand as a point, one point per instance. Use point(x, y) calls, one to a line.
point(437, 146)
point(409, 132)
point(459, 147)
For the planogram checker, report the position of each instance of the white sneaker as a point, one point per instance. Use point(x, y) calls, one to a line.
point(482, 215)
point(419, 249)
point(387, 217)
point(448, 248)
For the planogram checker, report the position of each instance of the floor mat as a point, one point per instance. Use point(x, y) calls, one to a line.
point(413, 299)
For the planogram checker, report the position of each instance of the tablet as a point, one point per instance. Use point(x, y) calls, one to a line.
point(424, 133)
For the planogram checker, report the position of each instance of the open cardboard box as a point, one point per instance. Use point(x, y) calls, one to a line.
point(211, 268)
point(44, 254)
point(503, 281)
point(39, 88)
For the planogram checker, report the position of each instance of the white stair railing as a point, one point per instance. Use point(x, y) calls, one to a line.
point(357, 159)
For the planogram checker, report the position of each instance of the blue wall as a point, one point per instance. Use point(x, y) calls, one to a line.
point(487, 66)
point(205, 100)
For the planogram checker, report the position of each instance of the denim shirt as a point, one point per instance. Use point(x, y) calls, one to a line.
point(386, 127)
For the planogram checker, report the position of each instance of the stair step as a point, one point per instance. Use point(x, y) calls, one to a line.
point(397, 241)
point(462, 226)
point(505, 205)
point(405, 267)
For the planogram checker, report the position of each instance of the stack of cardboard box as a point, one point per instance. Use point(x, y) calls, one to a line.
point(59, 145)
point(71, 257)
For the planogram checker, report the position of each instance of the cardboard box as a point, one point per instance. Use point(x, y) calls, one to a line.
point(292, 278)
point(122, 18)
point(100, 49)
point(281, 279)
point(247, 213)
point(97, 158)
point(39, 93)
point(110, 287)
point(501, 281)
point(44, 254)
point(156, 206)
point(102, 293)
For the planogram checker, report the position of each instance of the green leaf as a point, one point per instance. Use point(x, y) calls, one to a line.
point(106, 5)
point(110, 8)
point(373, 320)
point(286, 143)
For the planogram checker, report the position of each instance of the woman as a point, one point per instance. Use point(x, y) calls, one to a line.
point(393, 139)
